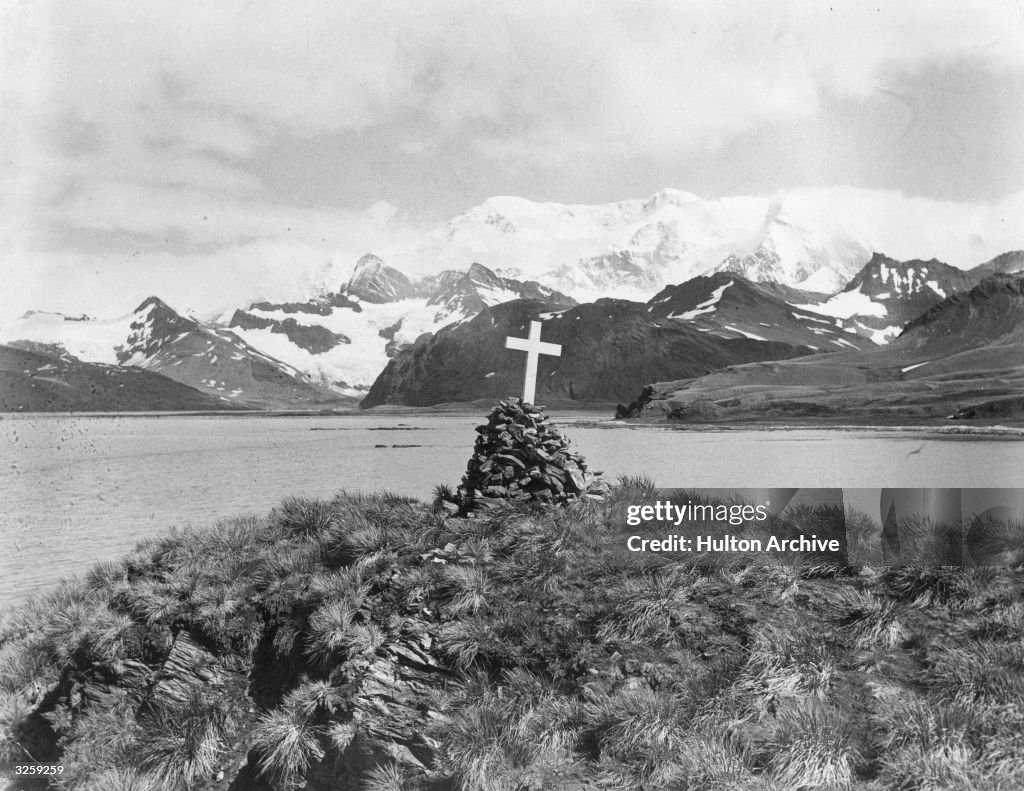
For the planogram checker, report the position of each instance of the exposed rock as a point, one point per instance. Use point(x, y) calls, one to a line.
point(991, 312)
point(636, 407)
point(469, 292)
point(314, 338)
point(374, 281)
point(390, 697)
point(519, 456)
point(729, 306)
point(188, 665)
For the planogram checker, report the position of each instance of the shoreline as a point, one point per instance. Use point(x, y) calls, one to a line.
point(996, 430)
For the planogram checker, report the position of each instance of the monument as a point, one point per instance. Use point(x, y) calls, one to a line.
point(518, 455)
point(534, 347)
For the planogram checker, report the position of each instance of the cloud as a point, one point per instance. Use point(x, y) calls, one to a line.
point(141, 122)
point(227, 76)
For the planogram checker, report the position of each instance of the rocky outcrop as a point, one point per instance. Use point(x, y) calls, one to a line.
point(311, 337)
point(635, 407)
point(374, 281)
point(467, 293)
point(391, 696)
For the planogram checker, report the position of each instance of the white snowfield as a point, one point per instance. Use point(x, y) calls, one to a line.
point(815, 239)
point(358, 363)
point(848, 303)
point(90, 340)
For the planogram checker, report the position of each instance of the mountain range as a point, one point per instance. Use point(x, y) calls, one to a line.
point(814, 239)
point(800, 284)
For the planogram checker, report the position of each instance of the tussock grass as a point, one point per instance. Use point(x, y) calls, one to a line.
point(287, 743)
point(184, 742)
point(385, 777)
point(564, 661)
point(812, 747)
point(305, 517)
point(653, 608)
point(783, 665)
point(982, 672)
point(871, 622)
point(124, 780)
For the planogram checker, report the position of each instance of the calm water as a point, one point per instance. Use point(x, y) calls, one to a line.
point(75, 490)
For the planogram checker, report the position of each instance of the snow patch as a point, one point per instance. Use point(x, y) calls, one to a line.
point(882, 336)
point(91, 340)
point(750, 335)
point(848, 303)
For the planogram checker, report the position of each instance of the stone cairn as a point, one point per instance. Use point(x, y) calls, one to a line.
point(518, 456)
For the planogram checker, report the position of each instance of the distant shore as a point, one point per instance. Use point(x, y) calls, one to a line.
point(987, 429)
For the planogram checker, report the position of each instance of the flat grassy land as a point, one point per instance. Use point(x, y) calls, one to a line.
point(377, 642)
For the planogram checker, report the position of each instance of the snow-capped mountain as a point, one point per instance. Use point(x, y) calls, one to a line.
point(989, 314)
point(344, 340)
point(814, 239)
point(374, 281)
point(886, 294)
point(157, 338)
point(727, 305)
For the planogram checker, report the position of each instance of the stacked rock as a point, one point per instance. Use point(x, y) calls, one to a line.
point(517, 455)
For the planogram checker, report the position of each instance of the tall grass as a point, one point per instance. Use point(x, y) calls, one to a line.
point(540, 653)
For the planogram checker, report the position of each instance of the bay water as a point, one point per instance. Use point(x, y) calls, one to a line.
point(77, 489)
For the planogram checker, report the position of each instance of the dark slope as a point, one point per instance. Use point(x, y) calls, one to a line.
point(731, 306)
point(906, 289)
point(374, 281)
point(1006, 264)
point(469, 292)
point(41, 381)
point(609, 349)
point(990, 314)
point(215, 361)
point(964, 356)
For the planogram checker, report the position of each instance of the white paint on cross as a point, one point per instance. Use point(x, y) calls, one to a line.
point(533, 348)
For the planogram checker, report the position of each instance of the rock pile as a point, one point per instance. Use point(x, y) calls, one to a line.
point(518, 455)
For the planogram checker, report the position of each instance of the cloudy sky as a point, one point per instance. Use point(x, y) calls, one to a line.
point(234, 148)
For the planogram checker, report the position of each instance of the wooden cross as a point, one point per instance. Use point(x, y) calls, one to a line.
point(533, 348)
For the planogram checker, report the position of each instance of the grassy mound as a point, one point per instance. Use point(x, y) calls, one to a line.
point(369, 642)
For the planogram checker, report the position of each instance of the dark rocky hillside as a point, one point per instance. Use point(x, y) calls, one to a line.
point(962, 358)
point(991, 313)
point(610, 348)
point(374, 281)
point(731, 306)
point(471, 291)
point(905, 289)
point(41, 380)
point(216, 361)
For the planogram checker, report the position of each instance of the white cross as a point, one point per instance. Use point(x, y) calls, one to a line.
point(533, 348)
